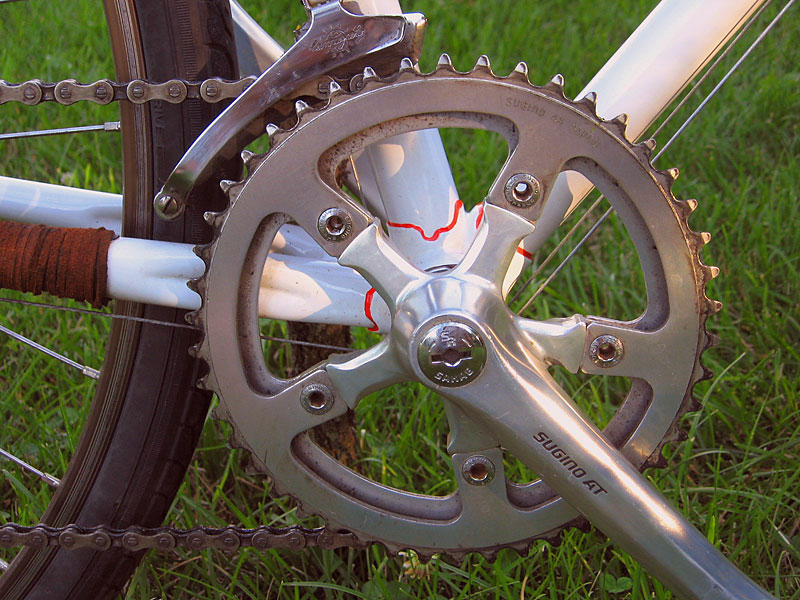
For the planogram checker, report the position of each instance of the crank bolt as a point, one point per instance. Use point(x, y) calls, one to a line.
point(335, 224)
point(478, 470)
point(606, 350)
point(316, 398)
point(523, 190)
point(167, 207)
point(451, 354)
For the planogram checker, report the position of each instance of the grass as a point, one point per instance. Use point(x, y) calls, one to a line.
point(736, 477)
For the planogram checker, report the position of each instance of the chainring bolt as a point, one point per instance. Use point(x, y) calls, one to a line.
point(606, 350)
point(316, 398)
point(478, 470)
point(335, 224)
point(168, 207)
point(523, 190)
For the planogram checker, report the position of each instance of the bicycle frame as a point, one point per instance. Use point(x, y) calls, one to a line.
point(667, 50)
point(317, 289)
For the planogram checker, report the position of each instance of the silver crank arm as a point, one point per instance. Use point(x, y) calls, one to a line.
point(334, 38)
point(525, 408)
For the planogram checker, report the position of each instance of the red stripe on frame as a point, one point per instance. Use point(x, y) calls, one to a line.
point(435, 236)
point(525, 253)
point(368, 309)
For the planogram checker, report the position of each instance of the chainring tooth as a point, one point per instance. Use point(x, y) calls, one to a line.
point(409, 71)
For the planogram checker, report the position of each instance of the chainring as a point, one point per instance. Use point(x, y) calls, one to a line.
point(296, 180)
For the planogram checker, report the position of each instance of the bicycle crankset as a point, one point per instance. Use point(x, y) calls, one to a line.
point(452, 330)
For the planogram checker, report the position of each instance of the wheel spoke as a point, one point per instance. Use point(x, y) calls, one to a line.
point(726, 77)
point(88, 371)
point(46, 477)
point(110, 126)
point(554, 251)
point(566, 260)
point(670, 141)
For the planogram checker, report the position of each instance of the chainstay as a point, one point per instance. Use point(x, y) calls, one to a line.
point(166, 539)
point(105, 91)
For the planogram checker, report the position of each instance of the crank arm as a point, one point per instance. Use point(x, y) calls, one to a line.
point(334, 38)
point(523, 407)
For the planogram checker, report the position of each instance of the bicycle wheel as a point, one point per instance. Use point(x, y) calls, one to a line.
point(147, 413)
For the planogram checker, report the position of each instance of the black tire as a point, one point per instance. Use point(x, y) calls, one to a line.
point(147, 414)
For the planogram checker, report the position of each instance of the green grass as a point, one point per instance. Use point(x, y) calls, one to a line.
point(736, 478)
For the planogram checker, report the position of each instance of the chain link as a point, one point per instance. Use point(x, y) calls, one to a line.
point(104, 91)
point(135, 538)
point(167, 539)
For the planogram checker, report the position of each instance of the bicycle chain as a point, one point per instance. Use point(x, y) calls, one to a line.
point(135, 538)
point(105, 91)
point(166, 539)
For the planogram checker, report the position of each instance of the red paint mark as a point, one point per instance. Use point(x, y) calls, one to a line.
point(435, 236)
point(368, 309)
point(480, 215)
point(525, 253)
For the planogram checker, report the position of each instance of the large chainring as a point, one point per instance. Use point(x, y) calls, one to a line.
point(297, 180)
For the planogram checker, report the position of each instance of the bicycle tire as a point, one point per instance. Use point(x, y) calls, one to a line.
point(147, 413)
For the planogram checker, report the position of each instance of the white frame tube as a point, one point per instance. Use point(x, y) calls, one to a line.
point(58, 205)
point(675, 41)
point(300, 286)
